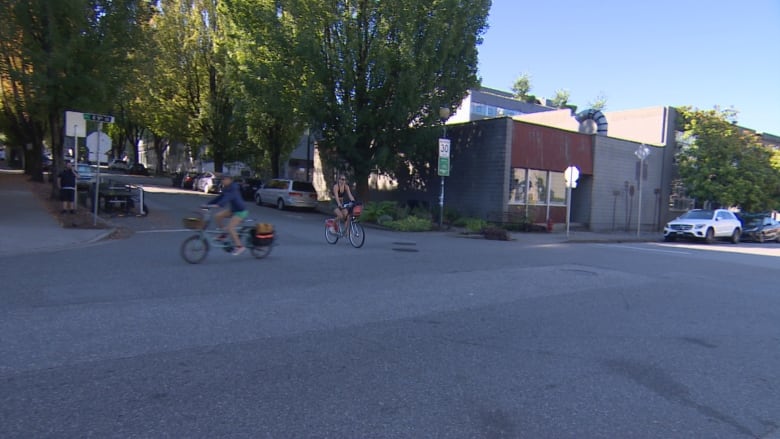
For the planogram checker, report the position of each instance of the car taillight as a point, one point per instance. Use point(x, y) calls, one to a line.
point(295, 194)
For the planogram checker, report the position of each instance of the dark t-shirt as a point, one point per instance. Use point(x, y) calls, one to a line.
point(67, 179)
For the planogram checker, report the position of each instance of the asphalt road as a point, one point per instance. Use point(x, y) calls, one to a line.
point(412, 336)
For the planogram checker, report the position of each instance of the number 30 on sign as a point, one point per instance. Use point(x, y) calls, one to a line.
point(444, 147)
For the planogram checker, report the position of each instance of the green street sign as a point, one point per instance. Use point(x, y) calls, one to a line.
point(99, 118)
point(444, 166)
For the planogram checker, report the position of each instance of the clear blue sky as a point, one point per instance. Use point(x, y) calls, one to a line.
point(641, 53)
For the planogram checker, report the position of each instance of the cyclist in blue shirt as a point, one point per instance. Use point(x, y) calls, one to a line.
point(231, 195)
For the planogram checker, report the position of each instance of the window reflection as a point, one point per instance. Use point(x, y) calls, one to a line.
point(534, 186)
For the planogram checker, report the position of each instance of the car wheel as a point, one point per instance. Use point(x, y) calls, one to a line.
point(258, 200)
point(709, 237)
point(761, 238)
point(735, 236)
point(280, 204)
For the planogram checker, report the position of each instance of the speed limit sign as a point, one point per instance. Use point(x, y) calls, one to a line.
point(444, 148)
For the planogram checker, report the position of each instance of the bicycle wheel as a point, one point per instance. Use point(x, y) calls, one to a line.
point(260, 251)
point(331, 237)
point(357, 235)
point(194, 249)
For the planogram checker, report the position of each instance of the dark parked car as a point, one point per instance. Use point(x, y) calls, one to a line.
point(249, 186)
point(760, 227)
point(137, 169)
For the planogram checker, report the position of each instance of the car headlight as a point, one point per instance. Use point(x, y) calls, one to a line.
point(667, 226)
point(699, 226)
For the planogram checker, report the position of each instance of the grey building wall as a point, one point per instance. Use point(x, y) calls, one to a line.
point(668, 170)
point(615, 173)
point(478, 184)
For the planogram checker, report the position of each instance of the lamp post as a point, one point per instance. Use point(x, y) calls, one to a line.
point(444, 159)
point(641, 153)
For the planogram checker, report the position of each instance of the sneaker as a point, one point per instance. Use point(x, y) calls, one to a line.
point(238, 251)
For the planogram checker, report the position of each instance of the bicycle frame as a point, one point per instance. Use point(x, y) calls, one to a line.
point(195, 248)
point(335, 230)
point(212, 235)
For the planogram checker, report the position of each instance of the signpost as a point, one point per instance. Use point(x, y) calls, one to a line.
point(444, 171)
point(79, 124)
point(571, 175)
point(444, 157)
point(100, 119)
point(641, 153)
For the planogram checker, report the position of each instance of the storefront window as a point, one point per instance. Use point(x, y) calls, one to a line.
point(518, 186)
point(537, 187)
point(557, 188)
point(534, 186)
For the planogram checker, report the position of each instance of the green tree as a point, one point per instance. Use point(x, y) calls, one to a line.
point(724, 164)
point(193, 80)
point(522, 86)
point(62, 55)
point(381, 68)
point(268, 79)
point(599, 103)
point(561, 98)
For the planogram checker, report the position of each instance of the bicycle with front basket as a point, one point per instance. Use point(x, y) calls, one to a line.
point(337, 229)
point(258, 238)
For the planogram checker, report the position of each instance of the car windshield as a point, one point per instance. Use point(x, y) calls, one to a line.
point(698, 214)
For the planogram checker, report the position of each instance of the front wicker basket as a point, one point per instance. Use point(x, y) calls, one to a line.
point(194, 223)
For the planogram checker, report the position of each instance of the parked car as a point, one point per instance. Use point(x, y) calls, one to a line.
point(248, 187)
point(760, 227)
point(205, 182)
point(707, 225)
point(287, 193)
point(188, 179)
point(118, 165)
point(216, 185)
point(137, 169)
point(86, 176)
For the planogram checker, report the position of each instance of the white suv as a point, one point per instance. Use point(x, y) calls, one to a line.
point(704, 224)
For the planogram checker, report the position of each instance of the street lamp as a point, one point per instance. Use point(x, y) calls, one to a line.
point(444, 114)
point(641, 153)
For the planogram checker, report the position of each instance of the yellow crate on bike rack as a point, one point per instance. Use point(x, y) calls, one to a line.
point(263, 234)
point(194, 223)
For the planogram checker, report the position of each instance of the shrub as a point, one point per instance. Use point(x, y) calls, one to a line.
point(475, 225)
point(372, 211)
point(496, 233)
point(410, 224)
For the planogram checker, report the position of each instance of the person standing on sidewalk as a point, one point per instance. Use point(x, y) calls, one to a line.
point(67, 182)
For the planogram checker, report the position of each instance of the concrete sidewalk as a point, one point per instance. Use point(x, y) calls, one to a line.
point(27, 227)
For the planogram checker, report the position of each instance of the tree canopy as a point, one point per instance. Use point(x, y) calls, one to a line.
point(522, 86)
point(61, 55)
point(724, 164)
point(378, 69)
